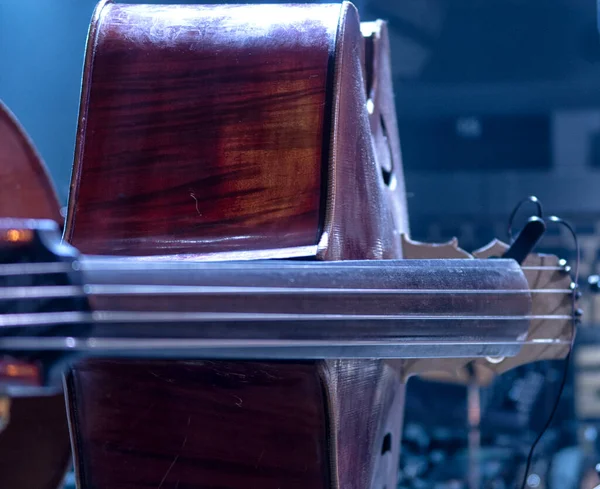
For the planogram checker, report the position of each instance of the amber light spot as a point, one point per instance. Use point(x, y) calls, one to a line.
point(11, 371)
point(21, 370)
point(5, 405)
point(18, 235)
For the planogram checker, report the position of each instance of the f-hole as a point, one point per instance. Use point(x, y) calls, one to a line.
point(386, 446)
point(387, 167)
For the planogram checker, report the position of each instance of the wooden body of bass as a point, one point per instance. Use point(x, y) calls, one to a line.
point(236, 132)
point(219, 133)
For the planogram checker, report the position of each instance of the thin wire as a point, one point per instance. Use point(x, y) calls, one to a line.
point(550, 418)
point(534, 200)
point(56, 268)
point(563, 382)
point(564, 223)
point(108, 317)
point(28, 292)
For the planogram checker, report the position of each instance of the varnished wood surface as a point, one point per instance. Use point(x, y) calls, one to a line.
point(27, 191)
point(34, 448)
point(131, 428)
point(365, 215)
point(366, 406)
point(366, 204)
point(202, 129)
point(381, 108)
point(178, 425)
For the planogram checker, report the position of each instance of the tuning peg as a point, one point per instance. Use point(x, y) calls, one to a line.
point(575, 290)
point(526, 240)
point(566, 268)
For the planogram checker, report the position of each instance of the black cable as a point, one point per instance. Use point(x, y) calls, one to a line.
point(550, 419)
point(534, 200)
point(574, 316)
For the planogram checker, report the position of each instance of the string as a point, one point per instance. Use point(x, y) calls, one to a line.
point(73, 291)
point(11, 269)
point(50, 268)
point(53, 318)
point(568, 357)
point(185, 343)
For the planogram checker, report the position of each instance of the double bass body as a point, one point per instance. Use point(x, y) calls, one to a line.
point(236, 132)
point(218, 133)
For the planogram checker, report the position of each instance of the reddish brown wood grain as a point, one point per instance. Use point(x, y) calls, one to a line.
point(241, 121)
point(198, 424)
point(202, 129)
point(27, 191)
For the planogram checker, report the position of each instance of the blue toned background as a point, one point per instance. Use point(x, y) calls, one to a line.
point(42, 43)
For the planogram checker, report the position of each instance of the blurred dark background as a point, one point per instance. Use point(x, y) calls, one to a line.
point(497, 99)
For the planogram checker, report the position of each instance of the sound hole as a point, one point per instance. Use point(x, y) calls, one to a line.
point(384, 467)
point(387, 165)
point(386, 446)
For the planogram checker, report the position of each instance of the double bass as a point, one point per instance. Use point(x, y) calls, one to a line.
point(231, 305)
point(34, 434)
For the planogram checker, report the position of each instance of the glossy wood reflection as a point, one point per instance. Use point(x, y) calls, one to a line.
point(202, 129)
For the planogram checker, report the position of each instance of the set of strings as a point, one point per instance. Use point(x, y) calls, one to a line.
point(122, 290)
point(339, 293)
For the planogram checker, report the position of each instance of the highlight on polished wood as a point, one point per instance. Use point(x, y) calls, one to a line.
point(203, 133)
point(203, 129)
